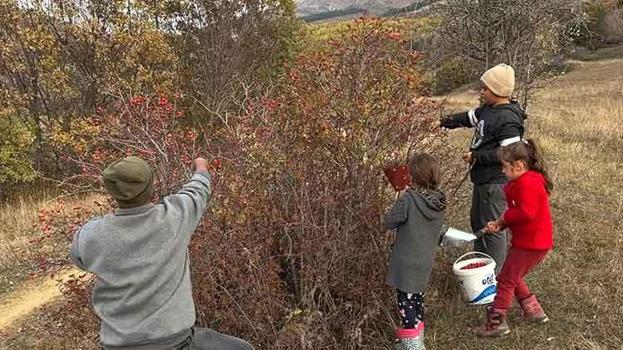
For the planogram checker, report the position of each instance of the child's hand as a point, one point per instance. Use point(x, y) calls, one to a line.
point(493, 227)
point(398, 194)
point(467, 157)
point(401, 192)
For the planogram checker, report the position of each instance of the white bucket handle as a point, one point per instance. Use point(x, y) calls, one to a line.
point(471, 253)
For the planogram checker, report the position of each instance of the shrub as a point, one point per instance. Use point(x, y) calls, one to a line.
point(293, 254)
point(614, 26)
point(601, 25)
point(526, 34)
point(452, 74)
point(16, 147)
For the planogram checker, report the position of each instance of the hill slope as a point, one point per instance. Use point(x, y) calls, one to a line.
point(310, 7)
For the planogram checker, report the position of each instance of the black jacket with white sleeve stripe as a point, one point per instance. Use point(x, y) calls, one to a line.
point(494, 126)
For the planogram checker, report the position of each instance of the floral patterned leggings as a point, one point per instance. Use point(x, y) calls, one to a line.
point(411, 308)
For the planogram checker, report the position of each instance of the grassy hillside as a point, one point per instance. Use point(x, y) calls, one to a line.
point(577, 120)
point(311, 7)
point(410, 28)
point(358, 8)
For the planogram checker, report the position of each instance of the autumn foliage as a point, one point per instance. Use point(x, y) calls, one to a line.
point(292, 253)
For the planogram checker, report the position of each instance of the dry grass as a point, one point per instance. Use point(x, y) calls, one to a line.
point(577, 120)
point(18, 219)
point(18, 227)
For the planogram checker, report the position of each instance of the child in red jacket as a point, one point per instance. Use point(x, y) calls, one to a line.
point(529, 219)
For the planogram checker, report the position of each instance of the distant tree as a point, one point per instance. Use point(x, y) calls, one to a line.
point(603, 23)
point(16, 143)
point(527, 34)
point(62, 59)
point(230, 49)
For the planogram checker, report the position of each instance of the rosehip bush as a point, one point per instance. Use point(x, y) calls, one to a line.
point(292, 254)
point(151, 127)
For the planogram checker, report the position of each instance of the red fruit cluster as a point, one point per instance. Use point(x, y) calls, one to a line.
point(473, 266)
point(137, 100)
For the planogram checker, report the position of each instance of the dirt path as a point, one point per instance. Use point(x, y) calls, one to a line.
point(31, 295)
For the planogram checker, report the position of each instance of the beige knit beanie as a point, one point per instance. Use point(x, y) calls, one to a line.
point(500, 80)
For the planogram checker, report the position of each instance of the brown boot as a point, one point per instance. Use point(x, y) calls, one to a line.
point(495, 326)
point(532, 310)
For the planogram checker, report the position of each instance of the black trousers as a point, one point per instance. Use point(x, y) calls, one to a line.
point(411, 308)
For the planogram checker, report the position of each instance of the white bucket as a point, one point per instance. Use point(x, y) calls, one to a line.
point(478, 284)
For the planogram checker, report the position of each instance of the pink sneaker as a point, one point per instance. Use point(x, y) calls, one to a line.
point(532, 310)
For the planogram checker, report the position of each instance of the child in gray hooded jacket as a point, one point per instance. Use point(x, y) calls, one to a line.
point(139, 255)
point(417, 216)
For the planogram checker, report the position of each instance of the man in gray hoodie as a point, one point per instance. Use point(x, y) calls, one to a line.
point(139, 255)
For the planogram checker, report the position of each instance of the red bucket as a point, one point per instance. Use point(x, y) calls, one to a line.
point(398, 176)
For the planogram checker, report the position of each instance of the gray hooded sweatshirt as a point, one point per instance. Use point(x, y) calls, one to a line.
point(418, 216)
point(143, 293)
